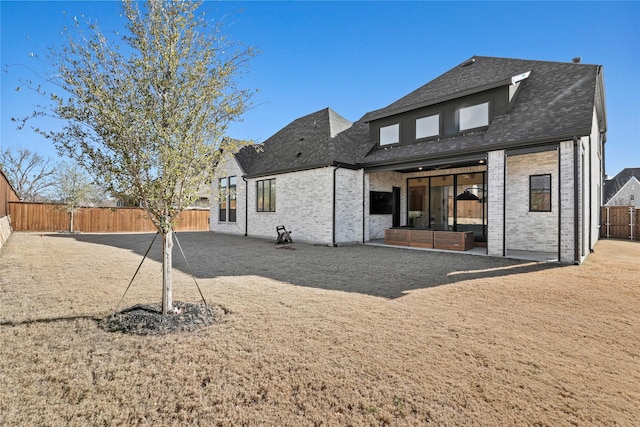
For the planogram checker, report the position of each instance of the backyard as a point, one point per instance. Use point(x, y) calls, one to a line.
point(314, 335)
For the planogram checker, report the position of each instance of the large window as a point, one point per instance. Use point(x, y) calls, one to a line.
point(540, 193)
point(227, 196)
point(266, 195)
point(474, 117)
point(428, 126)
point(449, 202)
point(390, 134)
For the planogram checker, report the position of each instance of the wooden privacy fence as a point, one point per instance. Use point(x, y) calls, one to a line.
point(620, 222)
point(43, 217)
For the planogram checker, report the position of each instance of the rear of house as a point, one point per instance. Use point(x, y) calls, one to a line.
point(509, 150)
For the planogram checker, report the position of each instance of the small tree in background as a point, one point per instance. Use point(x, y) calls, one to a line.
point(73, 189)
point(148, 119)
point(30, 174)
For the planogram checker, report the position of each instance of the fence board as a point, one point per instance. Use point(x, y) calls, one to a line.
point(41, 217)
point(616, 221)
point(7, 194)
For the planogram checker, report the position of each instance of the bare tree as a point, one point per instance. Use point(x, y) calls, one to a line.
point(148, 119)
point(30, 173)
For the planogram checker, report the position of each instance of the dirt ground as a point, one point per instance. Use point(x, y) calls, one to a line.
point(318, 336)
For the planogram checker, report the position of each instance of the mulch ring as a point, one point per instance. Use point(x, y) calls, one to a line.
point(147, 319)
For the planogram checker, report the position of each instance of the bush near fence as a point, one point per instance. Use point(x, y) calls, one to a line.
point(43, 217)
point(620, 222)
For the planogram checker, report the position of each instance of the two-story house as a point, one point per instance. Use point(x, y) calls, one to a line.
point(511, 150)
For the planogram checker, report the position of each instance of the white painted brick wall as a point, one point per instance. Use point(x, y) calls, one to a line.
point(304, 205)
point(533, 231)
point(384, 181)
point(349, 206)
point(495, 214)
point(567, 237)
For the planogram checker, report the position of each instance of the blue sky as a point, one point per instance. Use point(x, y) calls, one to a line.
point(359, 56)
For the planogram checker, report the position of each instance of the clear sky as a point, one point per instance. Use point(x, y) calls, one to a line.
point(359, 56)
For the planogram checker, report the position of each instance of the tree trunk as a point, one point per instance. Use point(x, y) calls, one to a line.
point(71, 221)
point(167, 246)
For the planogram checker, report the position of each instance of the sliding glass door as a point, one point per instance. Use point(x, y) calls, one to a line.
point(449, 202)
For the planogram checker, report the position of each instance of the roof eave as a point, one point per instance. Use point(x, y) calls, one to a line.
point(302, 168)
point(470, 154)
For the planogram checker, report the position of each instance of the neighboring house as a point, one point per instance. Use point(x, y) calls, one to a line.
point(623, 189)
point(510, 149)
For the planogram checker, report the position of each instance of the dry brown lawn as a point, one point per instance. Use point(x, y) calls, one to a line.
point(319, 336)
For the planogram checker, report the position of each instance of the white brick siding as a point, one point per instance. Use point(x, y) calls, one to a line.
point(384, 181)
point(304, 205)
point(495, 214)
point(349, 205)
point(567, 187)
point(525, 230)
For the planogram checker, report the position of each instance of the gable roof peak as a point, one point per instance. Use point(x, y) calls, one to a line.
point(337, 123)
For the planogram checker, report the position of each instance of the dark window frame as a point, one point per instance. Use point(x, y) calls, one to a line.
point(227, 213)
point(537, 196)
point(471, 129)
point(266, 188)
point(399, 141)
point(429, 137)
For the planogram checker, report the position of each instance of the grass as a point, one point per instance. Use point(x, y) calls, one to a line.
point(527, 346)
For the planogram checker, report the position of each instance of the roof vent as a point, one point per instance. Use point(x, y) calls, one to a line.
point(468, 62)
point(576, 60)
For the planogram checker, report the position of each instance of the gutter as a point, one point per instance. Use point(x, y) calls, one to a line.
point(304, 168)
point(471, 154)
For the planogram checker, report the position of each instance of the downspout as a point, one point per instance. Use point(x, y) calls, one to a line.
point(246, 206)
point(576, 195)
point(333, 231)
point(363, 206)
point(590, 195)
point(504, 206)
point(559, 150)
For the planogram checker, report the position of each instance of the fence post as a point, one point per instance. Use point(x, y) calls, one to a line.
point(631, 225)
point(608, 235)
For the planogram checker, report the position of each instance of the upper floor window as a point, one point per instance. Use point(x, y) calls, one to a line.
point(474, 116)
point(428, 126)
point(390, 134)
point(227, 196)
point(266, 195)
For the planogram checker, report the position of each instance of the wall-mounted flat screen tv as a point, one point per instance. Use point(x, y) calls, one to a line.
point(380, 202)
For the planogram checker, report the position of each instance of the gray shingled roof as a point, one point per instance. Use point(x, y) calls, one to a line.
point(554, 103)
point(307, 142)
point(613, 185)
